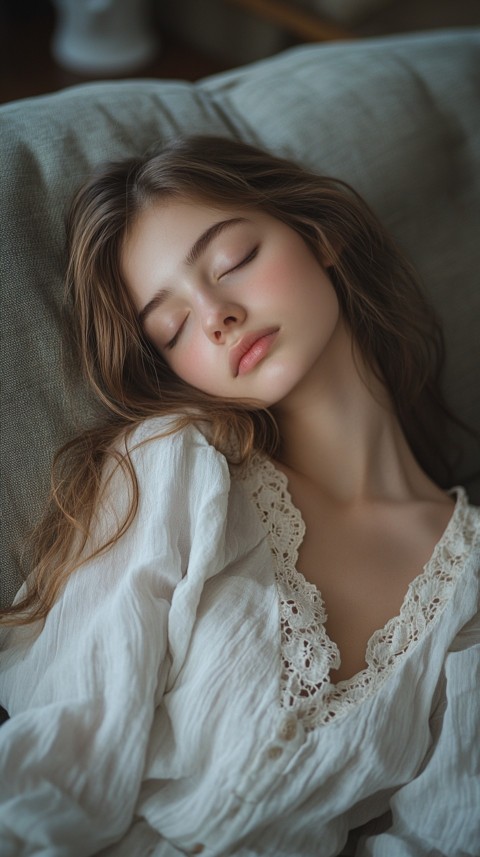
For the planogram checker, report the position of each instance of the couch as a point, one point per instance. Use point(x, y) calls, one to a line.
point(397, 117)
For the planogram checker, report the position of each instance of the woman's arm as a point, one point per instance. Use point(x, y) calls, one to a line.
point(439, 811)
point(82, 695)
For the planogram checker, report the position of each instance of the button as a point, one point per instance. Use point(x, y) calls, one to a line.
point(274, 752)
point(288, 729)
point(198, 848)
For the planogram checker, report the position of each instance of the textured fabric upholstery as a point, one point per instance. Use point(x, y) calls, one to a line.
point(398, 118)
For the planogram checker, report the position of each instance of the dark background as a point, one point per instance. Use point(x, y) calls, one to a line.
point(26, 26)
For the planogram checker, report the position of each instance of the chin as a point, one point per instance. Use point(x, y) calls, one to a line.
point(275, 397)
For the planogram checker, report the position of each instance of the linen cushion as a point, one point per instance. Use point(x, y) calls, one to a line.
point(396, 117)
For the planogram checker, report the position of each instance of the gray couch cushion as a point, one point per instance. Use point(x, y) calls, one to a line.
point(398, 118)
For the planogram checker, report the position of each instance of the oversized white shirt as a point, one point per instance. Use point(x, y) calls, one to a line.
point(178, 701)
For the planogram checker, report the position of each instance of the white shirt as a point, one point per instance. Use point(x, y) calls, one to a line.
point(177, 700)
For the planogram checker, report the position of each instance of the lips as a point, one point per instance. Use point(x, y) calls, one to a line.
point(250, 349)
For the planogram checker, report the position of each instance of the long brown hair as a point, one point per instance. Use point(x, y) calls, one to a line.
point(392, 325)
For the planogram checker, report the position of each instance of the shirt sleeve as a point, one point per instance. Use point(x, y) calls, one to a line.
point(81, 694)
point(438, 811)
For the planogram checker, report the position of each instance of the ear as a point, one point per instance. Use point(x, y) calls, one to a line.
point(330, 255)
point(331, 250)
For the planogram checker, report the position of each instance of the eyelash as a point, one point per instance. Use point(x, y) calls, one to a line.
point(171, 344)
point(174, 339)
point(248, 258)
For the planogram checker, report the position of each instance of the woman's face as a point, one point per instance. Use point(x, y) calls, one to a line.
point(236, 303)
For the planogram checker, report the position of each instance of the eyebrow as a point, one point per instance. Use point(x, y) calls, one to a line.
point(197, 249)
point(208, 236)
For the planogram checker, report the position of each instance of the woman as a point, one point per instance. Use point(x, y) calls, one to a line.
point(252, 628)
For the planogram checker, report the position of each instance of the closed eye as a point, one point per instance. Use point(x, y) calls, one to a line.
point(173, 341)
point(243, 262)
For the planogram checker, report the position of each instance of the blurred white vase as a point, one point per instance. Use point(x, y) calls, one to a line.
point(103, 36)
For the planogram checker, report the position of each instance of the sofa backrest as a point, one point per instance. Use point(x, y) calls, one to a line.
point(398, 118)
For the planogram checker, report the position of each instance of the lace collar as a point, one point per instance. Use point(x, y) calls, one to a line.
point(308, 655)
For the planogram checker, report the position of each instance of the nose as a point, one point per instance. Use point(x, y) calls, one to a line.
point(221, 319)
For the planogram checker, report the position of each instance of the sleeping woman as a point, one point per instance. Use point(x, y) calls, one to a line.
point(252, 625)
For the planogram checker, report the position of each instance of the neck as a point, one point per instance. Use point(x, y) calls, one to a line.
point(340, 432)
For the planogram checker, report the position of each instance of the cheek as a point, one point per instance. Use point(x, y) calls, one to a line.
point(287, 275)
point(274, 285)
point(187, 367)
point(193, 363)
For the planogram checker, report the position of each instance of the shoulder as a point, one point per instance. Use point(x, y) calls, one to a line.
point(456, 567)
point(156, 476)
point(163, 455)
point(158, 440)
point(167, 432)
point(464, 531)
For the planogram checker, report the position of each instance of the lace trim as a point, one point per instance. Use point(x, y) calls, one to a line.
point(308, 654)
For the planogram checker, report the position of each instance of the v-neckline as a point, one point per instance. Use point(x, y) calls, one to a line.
point(303, 611)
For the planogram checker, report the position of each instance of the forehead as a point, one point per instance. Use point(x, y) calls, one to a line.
point(166, 236)
point(170, 228)
point(172, 225)
point(163, 228)
point(172, 216)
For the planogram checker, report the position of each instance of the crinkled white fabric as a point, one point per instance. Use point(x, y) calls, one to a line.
point(162, 708)
point(308, 655)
